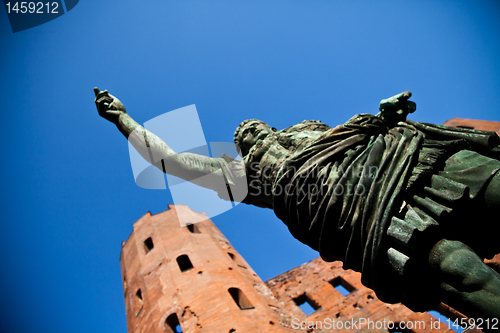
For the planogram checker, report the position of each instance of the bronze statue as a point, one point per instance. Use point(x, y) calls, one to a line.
point(409, 205)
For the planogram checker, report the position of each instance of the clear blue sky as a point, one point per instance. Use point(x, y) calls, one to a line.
point(68, 194)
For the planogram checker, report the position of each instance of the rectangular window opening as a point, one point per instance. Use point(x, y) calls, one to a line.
point(342, 286)
point(148, 244)
point(307, 305)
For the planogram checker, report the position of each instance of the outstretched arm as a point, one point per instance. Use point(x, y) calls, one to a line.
point(187, 166)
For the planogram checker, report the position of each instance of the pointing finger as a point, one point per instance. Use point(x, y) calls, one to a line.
point(96, 91)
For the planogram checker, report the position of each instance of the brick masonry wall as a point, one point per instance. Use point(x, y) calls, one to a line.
point(316, 280)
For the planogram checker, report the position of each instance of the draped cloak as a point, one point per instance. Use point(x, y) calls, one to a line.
point(339, 193)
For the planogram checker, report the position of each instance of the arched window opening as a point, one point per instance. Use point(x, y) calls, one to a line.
point(184, 263)
point(148, 244)
point(172, 324)
point(240, 299)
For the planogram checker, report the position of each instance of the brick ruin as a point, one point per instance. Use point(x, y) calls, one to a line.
point(191, 279)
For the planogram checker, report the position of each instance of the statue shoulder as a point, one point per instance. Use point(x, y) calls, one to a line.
point(280, 145)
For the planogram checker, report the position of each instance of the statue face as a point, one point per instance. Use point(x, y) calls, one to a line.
point(252, 132)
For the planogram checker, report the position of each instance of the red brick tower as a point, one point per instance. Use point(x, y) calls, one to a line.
point(190, 279)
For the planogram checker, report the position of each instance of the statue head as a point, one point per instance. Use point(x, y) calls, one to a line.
point(249, 132)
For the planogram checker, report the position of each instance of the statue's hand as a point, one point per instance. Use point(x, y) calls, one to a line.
point(108, 106)
point(396, 108)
